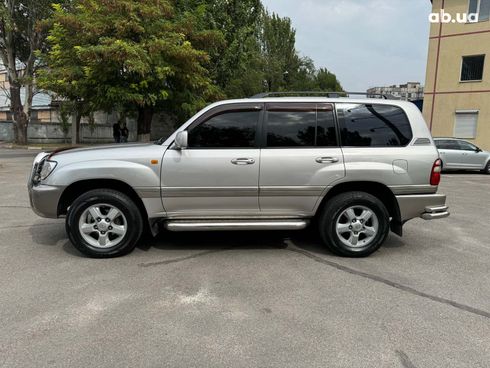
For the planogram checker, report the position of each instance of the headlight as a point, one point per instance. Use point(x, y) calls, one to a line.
point(47, 168)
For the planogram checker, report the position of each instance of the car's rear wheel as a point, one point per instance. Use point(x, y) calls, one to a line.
point(354, 224)
point(104, 223)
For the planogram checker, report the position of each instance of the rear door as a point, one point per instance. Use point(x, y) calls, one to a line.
point(300, 157)
point(451, 153)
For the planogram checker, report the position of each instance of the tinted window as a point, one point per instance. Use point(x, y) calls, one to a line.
point(447, 144)
point(472, 68)
point(326, 134)
point(374, 126)
point(290, 126)
point(229, 129)
point(466, 146)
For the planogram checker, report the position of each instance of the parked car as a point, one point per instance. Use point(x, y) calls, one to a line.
point(457, 154)
point(360, 167)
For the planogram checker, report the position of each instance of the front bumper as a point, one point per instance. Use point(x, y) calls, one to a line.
point(44, 199)
point(426, 206)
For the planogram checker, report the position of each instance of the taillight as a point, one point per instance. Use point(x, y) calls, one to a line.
point(435, 175)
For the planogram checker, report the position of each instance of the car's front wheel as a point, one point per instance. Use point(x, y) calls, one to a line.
point(104, 223)
point(487, 169)
point(354, 224)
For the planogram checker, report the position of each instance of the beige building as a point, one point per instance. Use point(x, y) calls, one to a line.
point(457, 88)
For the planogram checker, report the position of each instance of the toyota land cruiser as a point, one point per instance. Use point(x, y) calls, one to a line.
point(359, 166)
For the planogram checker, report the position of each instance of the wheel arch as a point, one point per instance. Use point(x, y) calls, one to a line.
point(77, 188)
point(379, 190)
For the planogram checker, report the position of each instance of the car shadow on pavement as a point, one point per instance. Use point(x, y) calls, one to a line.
point(463, 172)
point(51, 235)
point(308, 239)
point(167, 240)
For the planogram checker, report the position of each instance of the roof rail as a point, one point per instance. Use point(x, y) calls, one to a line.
point(331, 94)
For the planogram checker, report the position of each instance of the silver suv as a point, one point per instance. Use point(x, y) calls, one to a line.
point(359, 167)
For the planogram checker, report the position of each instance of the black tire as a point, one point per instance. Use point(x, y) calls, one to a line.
point(334, 209)
point(486, 170)
point(114, 198)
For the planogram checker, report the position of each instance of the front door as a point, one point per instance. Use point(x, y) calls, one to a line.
point(472, 157)
point(300, 157)
point(218, 174)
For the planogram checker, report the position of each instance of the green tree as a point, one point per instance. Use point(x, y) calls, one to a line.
point(22, 34)
point(134, 55)
point(327, 81)
point(278, 44)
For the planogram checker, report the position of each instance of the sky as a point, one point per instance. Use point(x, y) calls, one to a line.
point(366, 43)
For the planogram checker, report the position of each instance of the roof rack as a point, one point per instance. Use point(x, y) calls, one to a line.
point(331, 94)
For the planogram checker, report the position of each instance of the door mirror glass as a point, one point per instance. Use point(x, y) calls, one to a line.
point(181, 140)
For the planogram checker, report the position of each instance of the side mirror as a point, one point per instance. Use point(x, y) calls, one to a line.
point(181, 140)
point(478, 150)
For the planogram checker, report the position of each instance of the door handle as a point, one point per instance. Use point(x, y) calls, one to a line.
point(243, 161)
point(327, 160)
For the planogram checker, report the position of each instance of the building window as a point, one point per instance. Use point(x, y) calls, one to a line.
point(465, 124)
point(472, 68)
point(480, 7)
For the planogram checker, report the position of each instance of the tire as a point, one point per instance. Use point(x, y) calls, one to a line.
point(486, 170)
point(371, 231)
point(112, 223)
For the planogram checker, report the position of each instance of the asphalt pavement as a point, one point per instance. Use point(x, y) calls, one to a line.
point(258, 299)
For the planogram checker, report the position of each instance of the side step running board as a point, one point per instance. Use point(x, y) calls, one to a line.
point(217, 225)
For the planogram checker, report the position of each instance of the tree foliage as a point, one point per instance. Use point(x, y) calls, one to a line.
point(133, 54)
point(173, 56)
point(22, 35)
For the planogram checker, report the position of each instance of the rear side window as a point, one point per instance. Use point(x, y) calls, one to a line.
point(233, 129)
point(300, 125)
point(366, 125)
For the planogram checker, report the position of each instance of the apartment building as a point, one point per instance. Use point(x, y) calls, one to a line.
point(457, 87)
point(410, 91)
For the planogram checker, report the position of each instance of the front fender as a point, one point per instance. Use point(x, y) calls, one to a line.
point(132, 173)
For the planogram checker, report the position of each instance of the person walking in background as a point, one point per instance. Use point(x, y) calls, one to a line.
point(124, 133)
point(116, 132)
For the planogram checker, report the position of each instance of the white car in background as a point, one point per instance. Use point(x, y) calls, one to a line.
point(457, 154)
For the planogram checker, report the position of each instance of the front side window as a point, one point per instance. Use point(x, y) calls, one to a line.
point(366, 125)
point(480, 7)
point(466, 146)
point(472, 68)
point(233, 129)
point(303, 125)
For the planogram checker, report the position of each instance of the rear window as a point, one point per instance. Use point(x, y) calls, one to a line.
point(366, 125)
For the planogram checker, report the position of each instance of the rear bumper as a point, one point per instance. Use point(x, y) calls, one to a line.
point(426, 206)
